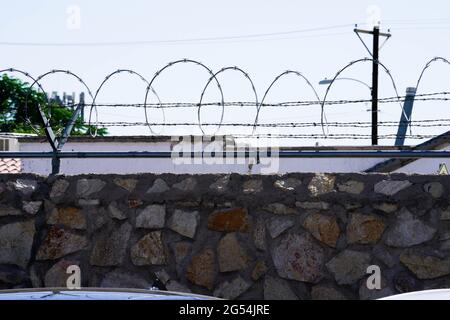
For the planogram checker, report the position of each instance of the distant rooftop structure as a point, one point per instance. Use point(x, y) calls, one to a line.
point(9, 142)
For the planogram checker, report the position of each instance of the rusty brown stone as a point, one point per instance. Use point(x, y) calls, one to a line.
point(323, 228)
point(364, 229)
point(201, 270)
point(59, 242)
point(70, 217)
point(229, 220)
point(149, 250)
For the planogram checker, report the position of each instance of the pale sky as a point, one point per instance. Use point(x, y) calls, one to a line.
point(50, 38)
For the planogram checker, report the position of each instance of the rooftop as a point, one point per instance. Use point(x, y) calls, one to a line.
point(10, 165)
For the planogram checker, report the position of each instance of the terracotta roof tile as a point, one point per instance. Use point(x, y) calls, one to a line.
point(10, 165)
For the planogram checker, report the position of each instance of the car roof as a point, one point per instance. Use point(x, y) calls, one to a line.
point(97, 294)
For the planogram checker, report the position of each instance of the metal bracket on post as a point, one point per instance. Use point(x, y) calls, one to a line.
point(48, 131)
point(69, 126)
point(59, 143)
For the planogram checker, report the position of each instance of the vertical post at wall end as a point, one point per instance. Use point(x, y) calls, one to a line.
point(405, 116)
point(56, 164)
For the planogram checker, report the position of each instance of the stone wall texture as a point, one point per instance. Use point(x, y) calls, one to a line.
point(297, 236)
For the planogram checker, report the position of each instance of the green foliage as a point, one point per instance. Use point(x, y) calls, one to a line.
point(19, 111)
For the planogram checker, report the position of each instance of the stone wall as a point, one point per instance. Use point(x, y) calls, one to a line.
point(298, 236)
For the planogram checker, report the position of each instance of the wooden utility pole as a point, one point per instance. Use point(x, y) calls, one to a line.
point(375, 56)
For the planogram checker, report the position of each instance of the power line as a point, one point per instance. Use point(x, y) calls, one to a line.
point(421, 19)
point(174, 41)
point(417, 21)
point(409, 23)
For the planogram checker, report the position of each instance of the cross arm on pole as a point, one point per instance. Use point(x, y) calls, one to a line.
point(382, 34)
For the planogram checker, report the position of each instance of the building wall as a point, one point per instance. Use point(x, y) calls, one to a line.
point(128, 166)
point(425, 166)
point(297, 236)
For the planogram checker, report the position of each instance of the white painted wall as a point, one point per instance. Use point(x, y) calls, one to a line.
point(136, 165)
point(425, 166)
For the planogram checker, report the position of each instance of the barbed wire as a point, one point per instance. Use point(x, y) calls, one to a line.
point(356, 124)
point(184, 61)
point(306, 103)
point(351, 64)
point(277, 78)
point(55, 142)
point(429, 63)
point(245, 74)
point(279, 104)
point(335, 136)
point(107, 78)
point(58, 141)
